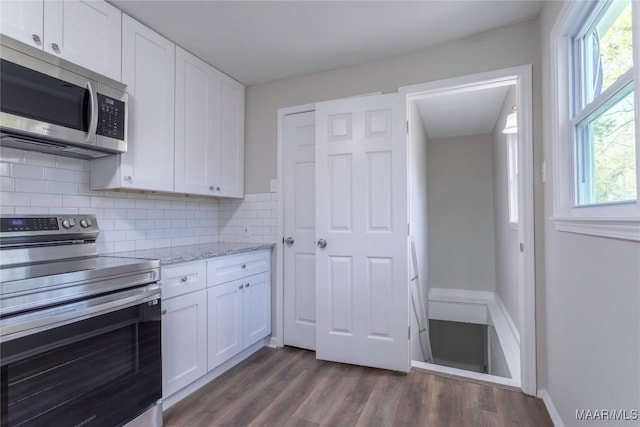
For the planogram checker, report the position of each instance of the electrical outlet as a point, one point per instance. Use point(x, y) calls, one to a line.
point(245, 230)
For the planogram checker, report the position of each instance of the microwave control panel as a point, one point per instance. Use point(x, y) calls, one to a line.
point(110, 117)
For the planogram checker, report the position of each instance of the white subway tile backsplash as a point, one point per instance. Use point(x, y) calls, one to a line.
point(25, 185)
point(27, 171)
point(58, 187)
point(46, 200)
point(136, 214)
point(35, 158)
point(53, 174)
point(71, 163)
point(36, 183)
point(6, 184)
point(11, 155)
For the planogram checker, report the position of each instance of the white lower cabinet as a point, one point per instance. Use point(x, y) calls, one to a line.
point(184, 340)
point(239, 316)
point(202, 327)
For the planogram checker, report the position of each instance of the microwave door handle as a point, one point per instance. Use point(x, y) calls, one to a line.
point(93, 112)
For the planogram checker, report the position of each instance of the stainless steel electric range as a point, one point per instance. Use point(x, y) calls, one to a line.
point(79, 333)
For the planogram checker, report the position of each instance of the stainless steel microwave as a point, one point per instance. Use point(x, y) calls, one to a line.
point(51, 105)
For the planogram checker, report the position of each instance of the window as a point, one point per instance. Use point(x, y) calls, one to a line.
point(596, 150)
point(603, 116)
point(512, 179)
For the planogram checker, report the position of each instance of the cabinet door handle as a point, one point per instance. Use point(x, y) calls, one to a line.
point(183, 279)
point(127, 178)
point(247, 285)
point(55, 47)
point(36, 38)
point(241, 287)
point(217, 188)
point(164, 312)
point(243, 266)
point(211, 187)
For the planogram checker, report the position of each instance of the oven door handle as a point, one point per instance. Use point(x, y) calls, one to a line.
point(41, 320)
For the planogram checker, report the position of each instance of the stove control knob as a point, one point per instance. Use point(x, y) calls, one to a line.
point(84, 223)
point(66, 224)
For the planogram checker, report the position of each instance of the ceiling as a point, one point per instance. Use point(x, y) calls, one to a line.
point(261, 41)
point(461, 114)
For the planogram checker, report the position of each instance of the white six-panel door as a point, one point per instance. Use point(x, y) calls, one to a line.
point(299, 225)
point(362, 298)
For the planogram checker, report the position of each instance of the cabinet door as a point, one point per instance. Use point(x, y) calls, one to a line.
point(184, 341)
point(225, 321)
point(230, 96)
point(196, 124)
point(148, 69)
point(22, 20)
point(87, 33)
point(257, 307)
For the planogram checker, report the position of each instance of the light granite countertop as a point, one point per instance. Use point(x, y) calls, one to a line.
point(178, 254)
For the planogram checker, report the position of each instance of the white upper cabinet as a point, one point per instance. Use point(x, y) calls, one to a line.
point(209, 130)
point(196, 126)
point(148, 70)
point(23, 20)
point(230, 95)
point(86, 33)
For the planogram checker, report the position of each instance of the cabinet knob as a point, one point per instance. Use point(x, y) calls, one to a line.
point(36, 38)
point(163, 312)
point(127, 178)
point(217, 188)
point(241, 287)
point(243, 266)
point(55, 47)
point(247, 285)
point(211, 187)
point(183, 279)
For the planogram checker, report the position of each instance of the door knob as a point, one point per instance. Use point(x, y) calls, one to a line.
point(289, 241)
point(322, 243)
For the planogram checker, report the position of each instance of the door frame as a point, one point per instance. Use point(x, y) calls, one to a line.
point(522, 75)
point(278, 339)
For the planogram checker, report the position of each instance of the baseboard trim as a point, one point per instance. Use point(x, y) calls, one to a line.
point(551, 408)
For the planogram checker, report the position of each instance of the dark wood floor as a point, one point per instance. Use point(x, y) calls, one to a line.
point(289, 387)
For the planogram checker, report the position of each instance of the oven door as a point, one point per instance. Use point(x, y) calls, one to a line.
point(101, 370)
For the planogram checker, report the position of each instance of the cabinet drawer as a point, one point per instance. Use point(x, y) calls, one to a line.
point(181, 279)
point(231, 267)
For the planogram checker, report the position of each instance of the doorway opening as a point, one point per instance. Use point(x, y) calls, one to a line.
point(471, 219)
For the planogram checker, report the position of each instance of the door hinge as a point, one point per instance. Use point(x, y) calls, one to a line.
point(409, 334)
point(407, 127)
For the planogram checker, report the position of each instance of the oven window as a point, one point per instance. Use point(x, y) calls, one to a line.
point(103, 371)
point(28, 93)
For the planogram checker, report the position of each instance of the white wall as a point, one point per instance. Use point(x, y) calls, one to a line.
point(460, 194)
point(592, 301)
point(506, 237)
point(418, 213)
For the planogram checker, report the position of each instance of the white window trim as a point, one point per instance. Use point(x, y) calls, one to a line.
point(615, 220)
